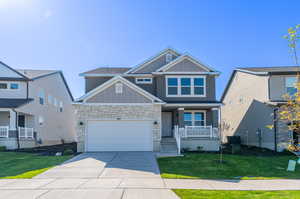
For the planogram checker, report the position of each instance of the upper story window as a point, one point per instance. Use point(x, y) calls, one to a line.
point(50, 99)
point(169, 57)
point(61, 106)
point(3, 86)
point(147, 80)
point(290, 85)
point(9, 86)
point(119, 88)
point(194, 118)
point(185, 86)
point(14, 86)
point(42, 97)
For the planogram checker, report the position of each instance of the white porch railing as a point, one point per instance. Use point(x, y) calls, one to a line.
point(4, 131)
point(201, 132)
point(25, 132)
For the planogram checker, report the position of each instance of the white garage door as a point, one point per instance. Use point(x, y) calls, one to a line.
point(119, 136)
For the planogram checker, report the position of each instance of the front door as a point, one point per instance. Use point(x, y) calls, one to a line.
point(21, 120)
point(166, 124)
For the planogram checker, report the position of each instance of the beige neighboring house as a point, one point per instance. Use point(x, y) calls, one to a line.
point(35, 108)
point(164, 104)
point(251, 100)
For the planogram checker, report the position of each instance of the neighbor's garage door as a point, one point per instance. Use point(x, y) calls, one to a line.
point(119, 136)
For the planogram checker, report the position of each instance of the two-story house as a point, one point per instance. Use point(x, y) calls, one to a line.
point(166, 103)
point(251, 100)
point(35, 108)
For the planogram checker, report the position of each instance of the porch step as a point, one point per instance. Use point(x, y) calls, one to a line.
point(168, 145)
point(168, 140)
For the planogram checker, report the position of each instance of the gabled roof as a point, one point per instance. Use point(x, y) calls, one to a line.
point(183, 57)
point(124, 81)
point(267, 70)
point(37, 74)
point(13, 103)
point(106, 70)
point(22, 77)
point(153, 58)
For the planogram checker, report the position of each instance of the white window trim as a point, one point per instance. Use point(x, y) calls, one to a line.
point(143, 82)
point(9, 86)
point(285, 82)
point(193, 113)
point(192, 86)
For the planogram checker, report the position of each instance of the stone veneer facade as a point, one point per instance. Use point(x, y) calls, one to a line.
point(85, 112)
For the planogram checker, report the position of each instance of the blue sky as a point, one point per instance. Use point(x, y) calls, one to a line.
point(78, 35)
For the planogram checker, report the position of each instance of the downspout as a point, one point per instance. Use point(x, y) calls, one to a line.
point(275, 128)
point(27, 91)
point(17, 129)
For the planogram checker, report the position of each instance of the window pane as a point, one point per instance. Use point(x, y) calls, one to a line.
point(185, 90)
point(198, 90)
point(172, 90)
point(3, 86)
point(199, 116)
point(290, 81)
point(188, 123)
point(172, 81)
point(185, 81)
point(199, 123)
point(14, 86)
point(199, 82)
point(291, 91)
point(187, 117)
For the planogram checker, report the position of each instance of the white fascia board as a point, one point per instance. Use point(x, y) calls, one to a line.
point(112, 75)
point(182, 57)
point(151, 59)
point(251, 72)
point(190, 105)
point(114, 104)
point(187, 73)
point(111, 82)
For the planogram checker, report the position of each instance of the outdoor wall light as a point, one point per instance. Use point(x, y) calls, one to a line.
point(81, 123)
point(155, 123)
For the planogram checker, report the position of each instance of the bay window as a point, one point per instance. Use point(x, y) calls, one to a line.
point(185, 86)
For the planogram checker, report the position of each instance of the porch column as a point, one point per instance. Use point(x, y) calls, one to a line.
point(180, 117)
point(216, 120)
point(12, 120)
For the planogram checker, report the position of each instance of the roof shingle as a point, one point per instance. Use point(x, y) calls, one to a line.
point(107, 70)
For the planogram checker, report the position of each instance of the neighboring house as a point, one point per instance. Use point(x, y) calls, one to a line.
point(140, 108)
point(35, 108)
point(251, 100)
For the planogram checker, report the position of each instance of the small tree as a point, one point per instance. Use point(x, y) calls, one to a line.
point(289, 113)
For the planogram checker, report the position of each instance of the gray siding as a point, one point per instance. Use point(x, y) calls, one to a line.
point(186, 66)
point(210, 91)
point(6, 72)
point(127, 96)
point(20, 93)
point(153, 66)
point(94, 82)
point(277, 87)
point(148, 87)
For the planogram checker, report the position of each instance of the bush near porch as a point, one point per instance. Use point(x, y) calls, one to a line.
point(250, 163)
point(27, 165)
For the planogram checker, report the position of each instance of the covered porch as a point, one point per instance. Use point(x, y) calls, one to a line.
point(191, 126)
point(15, 125)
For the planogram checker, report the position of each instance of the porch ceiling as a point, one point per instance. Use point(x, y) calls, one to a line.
point(174, 106)
point(13, 103)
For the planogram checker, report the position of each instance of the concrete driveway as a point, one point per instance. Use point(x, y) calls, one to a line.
point(107, 165)
point(105, 175)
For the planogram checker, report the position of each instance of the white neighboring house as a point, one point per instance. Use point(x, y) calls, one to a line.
point(35, 108)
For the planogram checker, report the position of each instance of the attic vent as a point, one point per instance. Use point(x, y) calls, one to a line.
point(169, 57)
point(119, 88)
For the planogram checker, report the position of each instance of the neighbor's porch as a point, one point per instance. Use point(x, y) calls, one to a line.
point(191, 126)
point(13, 124)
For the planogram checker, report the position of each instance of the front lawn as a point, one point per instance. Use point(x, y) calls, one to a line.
point(242, 166)
point(26, 165)
point(204, 194)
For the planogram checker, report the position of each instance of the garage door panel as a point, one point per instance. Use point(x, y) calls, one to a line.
point(119, 136)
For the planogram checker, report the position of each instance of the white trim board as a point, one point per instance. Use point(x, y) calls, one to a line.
point(153, 58)
point(183, 57)
point(114, 80)
point(192, 105)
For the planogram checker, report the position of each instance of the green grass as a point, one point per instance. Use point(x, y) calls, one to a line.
point(204, 194)
point(26, 165)
point(243, 166)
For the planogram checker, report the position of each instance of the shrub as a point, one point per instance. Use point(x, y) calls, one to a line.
point(2, 148)
point(68, 152)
